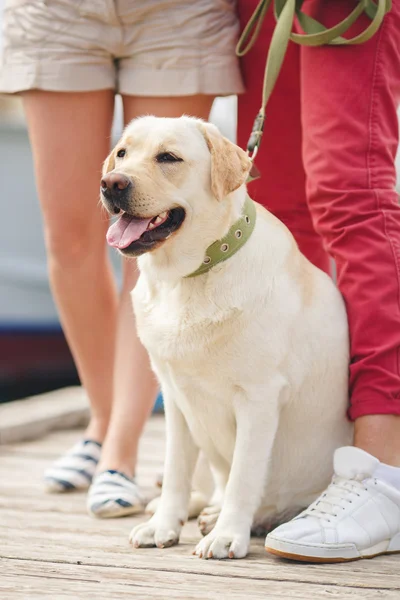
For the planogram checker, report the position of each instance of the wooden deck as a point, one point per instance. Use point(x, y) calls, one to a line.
point(50, 548)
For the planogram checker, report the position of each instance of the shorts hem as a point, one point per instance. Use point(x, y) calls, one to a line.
point(224, 81)
point(15, 79)
point(131, 81)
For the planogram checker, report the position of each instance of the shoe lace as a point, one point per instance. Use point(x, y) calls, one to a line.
point(336, 497)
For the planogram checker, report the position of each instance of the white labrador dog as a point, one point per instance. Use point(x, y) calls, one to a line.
point(252, 355)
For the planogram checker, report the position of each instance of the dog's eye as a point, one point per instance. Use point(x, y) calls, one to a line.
point(121, 153)
point(167, 157)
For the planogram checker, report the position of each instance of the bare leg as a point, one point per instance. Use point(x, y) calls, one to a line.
point(69, 134)
point(380, 436)
point(135, 386)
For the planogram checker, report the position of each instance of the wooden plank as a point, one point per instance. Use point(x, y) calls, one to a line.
point(71, 538)
point(57, 580)
point(33, 417)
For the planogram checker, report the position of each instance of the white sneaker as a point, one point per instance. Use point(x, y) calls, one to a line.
point(358, 516)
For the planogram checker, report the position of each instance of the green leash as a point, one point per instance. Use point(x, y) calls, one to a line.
point(236, 237)
point(315, 34)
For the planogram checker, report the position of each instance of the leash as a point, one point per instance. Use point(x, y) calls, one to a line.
point(316, 34)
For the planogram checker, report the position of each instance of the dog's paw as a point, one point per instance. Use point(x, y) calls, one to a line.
point(208, 518)
point(223, 544)
point(155, 533)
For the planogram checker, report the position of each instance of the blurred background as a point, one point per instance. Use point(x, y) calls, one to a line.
point(34, 356)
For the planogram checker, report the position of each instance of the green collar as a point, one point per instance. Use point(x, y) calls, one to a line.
point(236, 237)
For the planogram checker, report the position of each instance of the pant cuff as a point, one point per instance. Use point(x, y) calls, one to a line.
point(377, 406)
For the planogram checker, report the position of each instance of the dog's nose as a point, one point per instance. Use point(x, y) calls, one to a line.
point(116, 189)
point(114, 183)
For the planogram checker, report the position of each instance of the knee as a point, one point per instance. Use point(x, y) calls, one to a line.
point(72, 243)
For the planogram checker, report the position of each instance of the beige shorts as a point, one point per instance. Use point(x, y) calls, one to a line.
point(137, 47)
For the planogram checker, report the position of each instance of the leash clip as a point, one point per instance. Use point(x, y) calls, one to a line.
point(256, 134)
point(253, 154)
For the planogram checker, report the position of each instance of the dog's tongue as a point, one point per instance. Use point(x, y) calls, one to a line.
point(125, 231)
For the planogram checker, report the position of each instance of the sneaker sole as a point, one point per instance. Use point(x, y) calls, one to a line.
point(387, 547)
point(315, 559)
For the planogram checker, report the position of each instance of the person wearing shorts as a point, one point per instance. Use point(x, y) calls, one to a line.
point(68, 60)
point(327, 165)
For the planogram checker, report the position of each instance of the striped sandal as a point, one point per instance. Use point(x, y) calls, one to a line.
point(113, 494)
point(75, 469)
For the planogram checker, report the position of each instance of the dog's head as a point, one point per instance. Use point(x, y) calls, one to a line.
point(167, 176)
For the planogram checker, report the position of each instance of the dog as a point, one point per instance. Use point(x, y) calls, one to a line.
point(251, 351)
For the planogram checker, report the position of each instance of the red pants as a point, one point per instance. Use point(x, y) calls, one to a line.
point(327, 165)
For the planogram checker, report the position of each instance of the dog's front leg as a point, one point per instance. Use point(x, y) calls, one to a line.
point(257, 416)
point(164, 527)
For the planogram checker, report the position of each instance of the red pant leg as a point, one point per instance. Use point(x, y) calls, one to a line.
point(281, 188)
point(350, 129)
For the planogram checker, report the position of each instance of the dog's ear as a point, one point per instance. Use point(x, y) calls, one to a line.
point(109, 163)
point(230, 165)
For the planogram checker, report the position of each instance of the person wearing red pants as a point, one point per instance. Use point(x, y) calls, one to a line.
point(328, 171)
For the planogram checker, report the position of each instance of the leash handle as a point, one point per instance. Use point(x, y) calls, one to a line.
point(316, 34)
point(255, 22)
